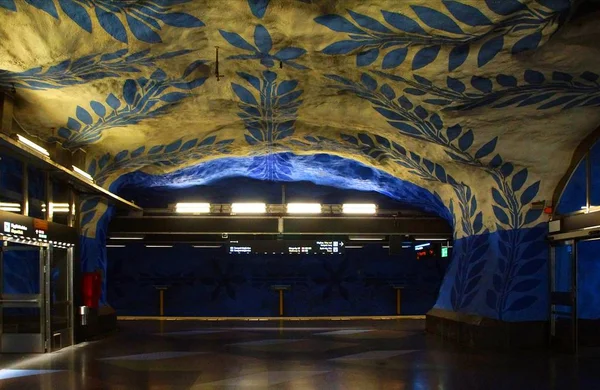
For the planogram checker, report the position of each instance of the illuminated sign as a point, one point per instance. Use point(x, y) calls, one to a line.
point(444, 251)
point(15, 228)
point(286, 247)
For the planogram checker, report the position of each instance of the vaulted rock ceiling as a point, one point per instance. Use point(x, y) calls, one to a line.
point(479, 101)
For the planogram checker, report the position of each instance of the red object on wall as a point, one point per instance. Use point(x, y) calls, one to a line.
point(92, 285)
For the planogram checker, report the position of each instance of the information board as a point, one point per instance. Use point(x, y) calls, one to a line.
point(23, 227)
point(286, 247)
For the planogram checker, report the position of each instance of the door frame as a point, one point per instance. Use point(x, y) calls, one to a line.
point(25, 300)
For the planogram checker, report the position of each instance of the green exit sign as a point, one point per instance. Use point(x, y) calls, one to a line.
point(444, 251)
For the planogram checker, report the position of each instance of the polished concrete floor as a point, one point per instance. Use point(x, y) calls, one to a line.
point(363, 355)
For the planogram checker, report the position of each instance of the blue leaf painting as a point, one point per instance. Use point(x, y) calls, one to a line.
point(560, 91)
point(258, 7)
point(143, 18)
point(141, 99)
point(84, 69)
point(268, 108)
point(380, 35)
point(262, 50)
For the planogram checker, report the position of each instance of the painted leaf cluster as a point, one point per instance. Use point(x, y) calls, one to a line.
point(144, 19)
point(85, 69)
point(269, 107)
point(535, 89)
point(467, 29)
point(520, 271)
point(141, 99)
point(167, 156)
point(261, 50)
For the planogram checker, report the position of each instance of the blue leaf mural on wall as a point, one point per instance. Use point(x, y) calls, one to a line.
point(512, 194)
point(557, 90)
point(142, 99)
point(262, 48)
point(143, 18)
point(460, 25)
point(269, 109)
point(85, 69)
point(165, 156)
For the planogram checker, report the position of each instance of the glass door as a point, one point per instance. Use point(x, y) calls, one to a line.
point(21, 298)
point(563, 296)
point(60, 298)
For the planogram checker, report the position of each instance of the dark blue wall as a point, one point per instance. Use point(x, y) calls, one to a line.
point(209, 282)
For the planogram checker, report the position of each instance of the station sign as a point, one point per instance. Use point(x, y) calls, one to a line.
point(286, 247)
point(22, 227)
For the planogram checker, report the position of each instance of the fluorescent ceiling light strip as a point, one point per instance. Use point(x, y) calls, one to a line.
point(405, 246)
point(207, 246)
point(304, 208)
point(359, 208)
point(248, 208)
point(126, 238)
point(354, 246)
point(7, 204)
point(83, 173)
point(12, 209)
point(366, 238)
point(432, 239)
point(32, 145)
point(115, 246)
point(192, 207)
point(159, 246)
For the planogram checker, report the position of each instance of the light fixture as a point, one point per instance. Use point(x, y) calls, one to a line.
point(32, 145)
point(82, 173)
point(304, 208)
point(432, 239)
point(354, 246)
point(207, 246)
point(192, 208)
point(57, 207)
point(366, 238)
point(159, 246)
point(14, 207)
point(591, 227)
point(359, 208)
point(126, 238)
point(248, 208)
point(405, 246)
point(115, 246)
point(421, 246)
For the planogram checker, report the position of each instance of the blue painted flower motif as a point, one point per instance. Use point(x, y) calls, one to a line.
point(143, 18)
point(263, 44)
point(165, 156)
point(462, 26)
point(84, 69)
point(560, 90)
point(142, 99)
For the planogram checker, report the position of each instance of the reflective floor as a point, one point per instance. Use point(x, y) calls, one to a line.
point(362, 355)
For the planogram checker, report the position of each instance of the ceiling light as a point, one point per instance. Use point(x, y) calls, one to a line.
point(207, 246)
point(14, 207)
point(32, 145)
point(432, 239)
point(304, 208)
point(248, 208)
point(115, 246)
point(126, 238)
point(366, 238)
point(358, 208)
point(421, 246)
point(354, 246)
point(192, 208)
point(159, 246)
point(82, 173)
